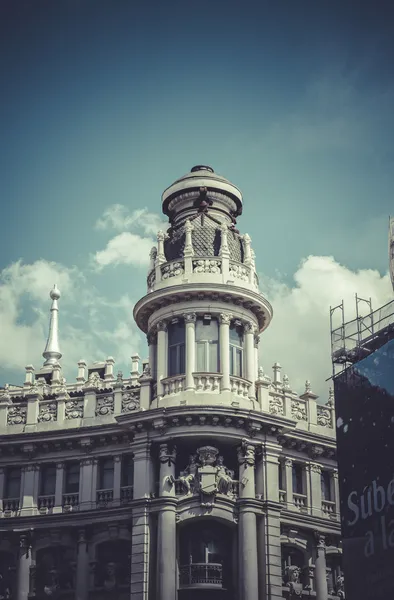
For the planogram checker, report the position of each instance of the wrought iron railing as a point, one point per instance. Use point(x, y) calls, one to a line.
point(203, 574)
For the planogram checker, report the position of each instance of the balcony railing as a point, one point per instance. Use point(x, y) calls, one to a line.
point(126, 494)
point(70, 502)
point(173, 385)
point(207, 382)
point(300, 501)
point(328, 508)
point(282, 496)
point(240, 386)
point(104, 497)
point(10, 506)
point(201, 575)
point(45, 503)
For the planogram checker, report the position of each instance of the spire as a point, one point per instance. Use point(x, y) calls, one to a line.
point(52, 353)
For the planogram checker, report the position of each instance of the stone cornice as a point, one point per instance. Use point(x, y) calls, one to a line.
point(229, 294)
point(312, 523)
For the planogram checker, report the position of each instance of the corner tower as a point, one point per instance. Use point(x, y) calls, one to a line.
point(203, 311)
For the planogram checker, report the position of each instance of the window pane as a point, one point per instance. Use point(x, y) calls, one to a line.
point(297, 479)
point(325, 486)
point(13, 483)
point(207, 330)
point(72, 478)
point(181, 354)
point(201, 357)
point(176, 333)
point(213, 357)
point(107, 474)
point(127, 471)
point(48, 480)
point(238, 368)
point(280, 477)
point(236, 335)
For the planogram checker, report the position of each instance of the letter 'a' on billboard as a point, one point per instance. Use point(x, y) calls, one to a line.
point(364, 403)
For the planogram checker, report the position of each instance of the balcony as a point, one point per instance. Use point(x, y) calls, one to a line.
point(300, 502)
point(328, 508)
point(126, 494)
point(104, 498)
point(45, 504)
point(10, 507)
point(70, 502)
point(201, 575)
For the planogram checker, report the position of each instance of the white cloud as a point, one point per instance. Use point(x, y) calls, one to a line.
point(299, 335)
point(128, 248)
point(125, 249)
point(119, 218)
point(90, 326)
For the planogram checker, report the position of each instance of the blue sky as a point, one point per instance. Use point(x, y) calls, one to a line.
point(106, 103)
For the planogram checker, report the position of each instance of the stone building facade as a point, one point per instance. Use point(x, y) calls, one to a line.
point(199, 475)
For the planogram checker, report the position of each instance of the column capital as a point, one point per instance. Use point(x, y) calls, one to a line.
point(225, 318)
point(60, 465)
point(117, 458)
point(151, 338)
point(335, 473)
point(31, 467)
point(249, 327)
point(190, 317)
point(246, 453)
point(85, 462)
point(288, 462)
point(162, 326)
point(320, 540)
point(166, 455)
point(314, 468)
point(81, 536)
point(256, 339)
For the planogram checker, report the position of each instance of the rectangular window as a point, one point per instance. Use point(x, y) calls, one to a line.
point(71, 484)
point(106, 474)
point(207, 345)
point(325, 479)
point(47, 480)
point(236, 349)
point(176, 348)
point(127, 474)
point(13, 482)
point(298, 479)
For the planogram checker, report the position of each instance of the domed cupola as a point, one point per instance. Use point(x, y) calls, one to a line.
point(209, 202)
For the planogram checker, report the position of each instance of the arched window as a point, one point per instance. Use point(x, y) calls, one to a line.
point(236, 349)
point(207, 345)
point(176, 348)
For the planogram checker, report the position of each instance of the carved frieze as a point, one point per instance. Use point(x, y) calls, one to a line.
point(74, 409)
point(239, 271)
point(324, 417)
point(207, 266)
point(276, 405)
point(298, 411)
point(130, 402)
point(47, 412)
point(172, 270)
point(16, 415)
point(104, 406)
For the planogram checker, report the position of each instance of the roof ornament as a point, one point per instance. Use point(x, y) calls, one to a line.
point(52, 352)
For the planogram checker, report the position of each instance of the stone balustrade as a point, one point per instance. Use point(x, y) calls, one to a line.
point(300, 501)
point(240, 387)
point(219, 269)
point(207, 382)
point(173, 385)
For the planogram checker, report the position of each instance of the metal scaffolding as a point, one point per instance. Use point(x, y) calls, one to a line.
point(354, 340)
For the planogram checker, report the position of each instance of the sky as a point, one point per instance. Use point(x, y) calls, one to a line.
point(105, 104)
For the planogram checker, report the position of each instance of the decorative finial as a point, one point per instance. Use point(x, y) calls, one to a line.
point(52, 352)
point(308, 387)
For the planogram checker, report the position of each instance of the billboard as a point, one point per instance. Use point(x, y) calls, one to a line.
point(364, 401)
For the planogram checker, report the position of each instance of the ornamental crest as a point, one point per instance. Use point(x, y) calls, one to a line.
point(207, 475)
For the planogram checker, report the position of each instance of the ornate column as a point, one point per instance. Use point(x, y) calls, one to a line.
point(161, 356)
point(247, 533)
point(82, 578)
point(314, 489)
point(320, 568)
point(166, 542)
point(224, 351)
point(289, 482)
point(59, 487)
point(152, 344)
point(250, 371)
point(23, 567)
point(190, 324)
point(30, 475)
point(256, 350)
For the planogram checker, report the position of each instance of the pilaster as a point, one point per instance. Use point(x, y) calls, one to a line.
point(30, 474)
point(142, 484)
point(190, 324)
point(315, 500)
point(161, 356)
point(59, 487)
point(82, 576)
point(23, 567)
point(320, 568)
point(224, 335)
point(250, 358)
point(289, 482)
point(166, 542)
